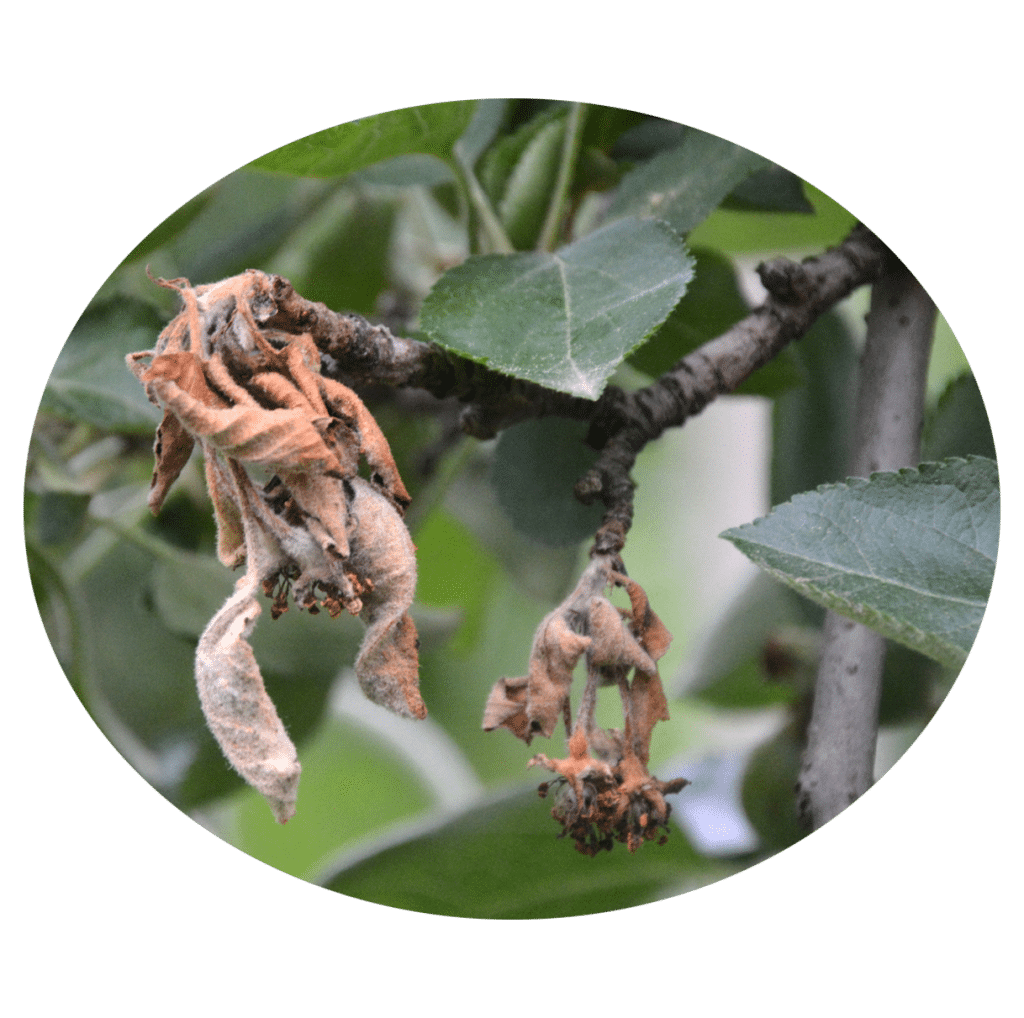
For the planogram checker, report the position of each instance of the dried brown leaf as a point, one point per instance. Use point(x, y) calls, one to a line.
point(254, 398)
point(237, 708)
point(506, 708)
point(556, 650)
point(654, 637)
point(612, 644)
point(171, 451)
point(381, 550)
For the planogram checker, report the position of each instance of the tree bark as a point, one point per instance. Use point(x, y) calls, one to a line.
point(838, 764)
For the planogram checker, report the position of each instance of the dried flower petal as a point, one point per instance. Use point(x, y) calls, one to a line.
point(506, 708)
point(612, 644)
point(604, 792)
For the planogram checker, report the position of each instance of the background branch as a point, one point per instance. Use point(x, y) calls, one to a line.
point(838, 764)
point(798, 295)
point(621, 424)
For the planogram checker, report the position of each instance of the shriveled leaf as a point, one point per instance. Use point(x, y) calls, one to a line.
point(535, 466)
point(432, 130)
point(238, 710)
point(502, 860)
point(564, 320)
point(774, 189)
point(910, 554)
point(682, 185)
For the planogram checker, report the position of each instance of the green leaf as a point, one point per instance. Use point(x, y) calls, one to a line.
point(527, 190)
point(90, 381)
point(535, 466)
point(910, 554)
point(337, 151)
point(958, 426)
point(341, 257)
point(769, 797)
point(353, 784)
point(454, 570)
point(774, 189)
point(605, 125)
point(684, 184)
point(564, 320)
point(249, 216)
point(744, 232)
point(503, 860)
point(913, 686)
point(141, 670)
point(712, 305)
point(812, 423)
point(173, 225)
point(488, 116)
point(518, 171)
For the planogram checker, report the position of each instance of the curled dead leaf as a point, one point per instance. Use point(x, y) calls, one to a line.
point(252, 398)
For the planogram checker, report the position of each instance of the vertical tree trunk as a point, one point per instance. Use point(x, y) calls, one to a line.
point(838, 764)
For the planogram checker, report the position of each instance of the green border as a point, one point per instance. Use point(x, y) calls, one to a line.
point(116, 898)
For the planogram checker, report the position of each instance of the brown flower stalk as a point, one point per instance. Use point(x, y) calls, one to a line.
point(282, 447)
point(605, 791)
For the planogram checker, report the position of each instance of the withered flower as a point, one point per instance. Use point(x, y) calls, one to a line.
point(282, 447)
point(604, 791)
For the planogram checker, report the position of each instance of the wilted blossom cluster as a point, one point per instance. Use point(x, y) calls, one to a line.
point(282, 447)
point(603, 791)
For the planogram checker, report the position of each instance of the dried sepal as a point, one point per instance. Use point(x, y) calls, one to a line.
point(253, 399)
point(603, 791)
point(172, 449)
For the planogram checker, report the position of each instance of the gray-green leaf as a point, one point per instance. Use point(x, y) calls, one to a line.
point(501, 859)
point(564, 320)
point(684, 184)
point(432, 130)
point(90, 382)
point(910, 554)
point(535, 466)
